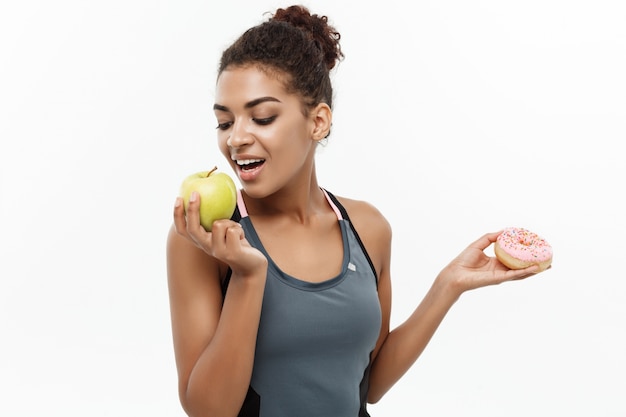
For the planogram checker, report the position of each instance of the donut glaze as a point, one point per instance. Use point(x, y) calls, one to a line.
point(518, 248)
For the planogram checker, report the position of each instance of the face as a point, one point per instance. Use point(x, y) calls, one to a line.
point(262, 131)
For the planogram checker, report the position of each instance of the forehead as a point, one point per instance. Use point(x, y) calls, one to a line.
point(247, 83)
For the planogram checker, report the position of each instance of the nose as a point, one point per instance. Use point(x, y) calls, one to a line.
point(239, 136)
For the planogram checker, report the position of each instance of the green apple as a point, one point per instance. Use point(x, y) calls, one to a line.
point(218, 195)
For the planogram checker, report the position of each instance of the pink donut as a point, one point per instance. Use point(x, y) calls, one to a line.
point(518, 248)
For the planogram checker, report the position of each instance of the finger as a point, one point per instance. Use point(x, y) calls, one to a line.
point(196, 232)
point(517, 274)
point(180, 223)
point(220, 240)
point(485, 240)
point(234, 236)
point(193, 214)
point(219, 229)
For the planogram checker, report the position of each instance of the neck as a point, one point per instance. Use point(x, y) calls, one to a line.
point(299, 201)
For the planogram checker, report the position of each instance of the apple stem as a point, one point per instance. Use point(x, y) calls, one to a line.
point(211, 171)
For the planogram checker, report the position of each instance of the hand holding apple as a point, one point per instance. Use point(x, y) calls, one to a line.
point(218, 195)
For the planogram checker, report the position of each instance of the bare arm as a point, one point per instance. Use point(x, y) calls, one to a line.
point(397, 351)
point(405, 343)
point(403, 346)
point(214, 342)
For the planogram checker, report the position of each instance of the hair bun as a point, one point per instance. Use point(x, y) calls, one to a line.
point(317, 29)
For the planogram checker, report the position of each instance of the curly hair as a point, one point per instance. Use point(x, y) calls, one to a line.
point(294, 43)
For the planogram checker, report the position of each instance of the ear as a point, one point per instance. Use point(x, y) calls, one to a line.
point(322, 117)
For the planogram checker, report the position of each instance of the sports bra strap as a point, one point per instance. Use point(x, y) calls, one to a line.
point(241, 205)
point(333, 205)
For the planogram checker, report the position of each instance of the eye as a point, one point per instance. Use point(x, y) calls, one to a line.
point(265, 121)
point(224, 126)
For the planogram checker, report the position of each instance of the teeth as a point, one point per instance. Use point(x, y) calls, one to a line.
point(242, 162)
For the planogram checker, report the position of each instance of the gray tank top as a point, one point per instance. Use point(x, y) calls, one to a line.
point(315, 339)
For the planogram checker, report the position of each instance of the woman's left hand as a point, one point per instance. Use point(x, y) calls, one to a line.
point(474, 269)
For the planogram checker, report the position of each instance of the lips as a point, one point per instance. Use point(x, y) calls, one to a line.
point(249, 168)
point(249, 164)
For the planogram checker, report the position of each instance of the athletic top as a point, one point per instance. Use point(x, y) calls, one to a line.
point(315, 339)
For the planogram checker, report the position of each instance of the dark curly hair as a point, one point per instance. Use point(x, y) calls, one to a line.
point(300, 46)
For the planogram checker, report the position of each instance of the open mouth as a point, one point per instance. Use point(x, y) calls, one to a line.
point(249, 164)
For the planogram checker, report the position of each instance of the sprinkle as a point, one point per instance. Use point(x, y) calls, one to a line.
point(525, 245)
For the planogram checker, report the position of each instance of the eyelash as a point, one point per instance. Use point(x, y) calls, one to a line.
point(263, 122)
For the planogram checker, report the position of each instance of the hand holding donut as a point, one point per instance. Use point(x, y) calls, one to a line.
point(473, 269)
point(226, 241)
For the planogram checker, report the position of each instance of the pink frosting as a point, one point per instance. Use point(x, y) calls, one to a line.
point(524, 245)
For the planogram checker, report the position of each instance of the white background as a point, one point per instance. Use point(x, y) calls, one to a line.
point(454, 118)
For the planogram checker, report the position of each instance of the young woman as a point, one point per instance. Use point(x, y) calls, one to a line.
point(284, 309)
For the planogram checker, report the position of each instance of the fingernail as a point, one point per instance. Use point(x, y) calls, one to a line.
point(177, 202)
point(193, 197)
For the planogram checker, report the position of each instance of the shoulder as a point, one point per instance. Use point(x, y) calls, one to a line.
point(373, 228)
point(187, 262)
point(365, 215)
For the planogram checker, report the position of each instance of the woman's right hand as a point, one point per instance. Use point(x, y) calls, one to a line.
point(226, 241)
point(213, 376)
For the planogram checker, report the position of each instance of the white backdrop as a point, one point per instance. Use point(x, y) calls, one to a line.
point(455, 118)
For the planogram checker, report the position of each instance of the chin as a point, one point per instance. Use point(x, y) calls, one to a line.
point(257, 191)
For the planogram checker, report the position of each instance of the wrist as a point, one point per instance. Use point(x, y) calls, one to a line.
point(253, 277)
point(447, 288)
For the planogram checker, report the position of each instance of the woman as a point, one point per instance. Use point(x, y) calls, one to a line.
point(284, 310)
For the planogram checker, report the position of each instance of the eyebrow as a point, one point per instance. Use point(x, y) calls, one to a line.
point(249, 104)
